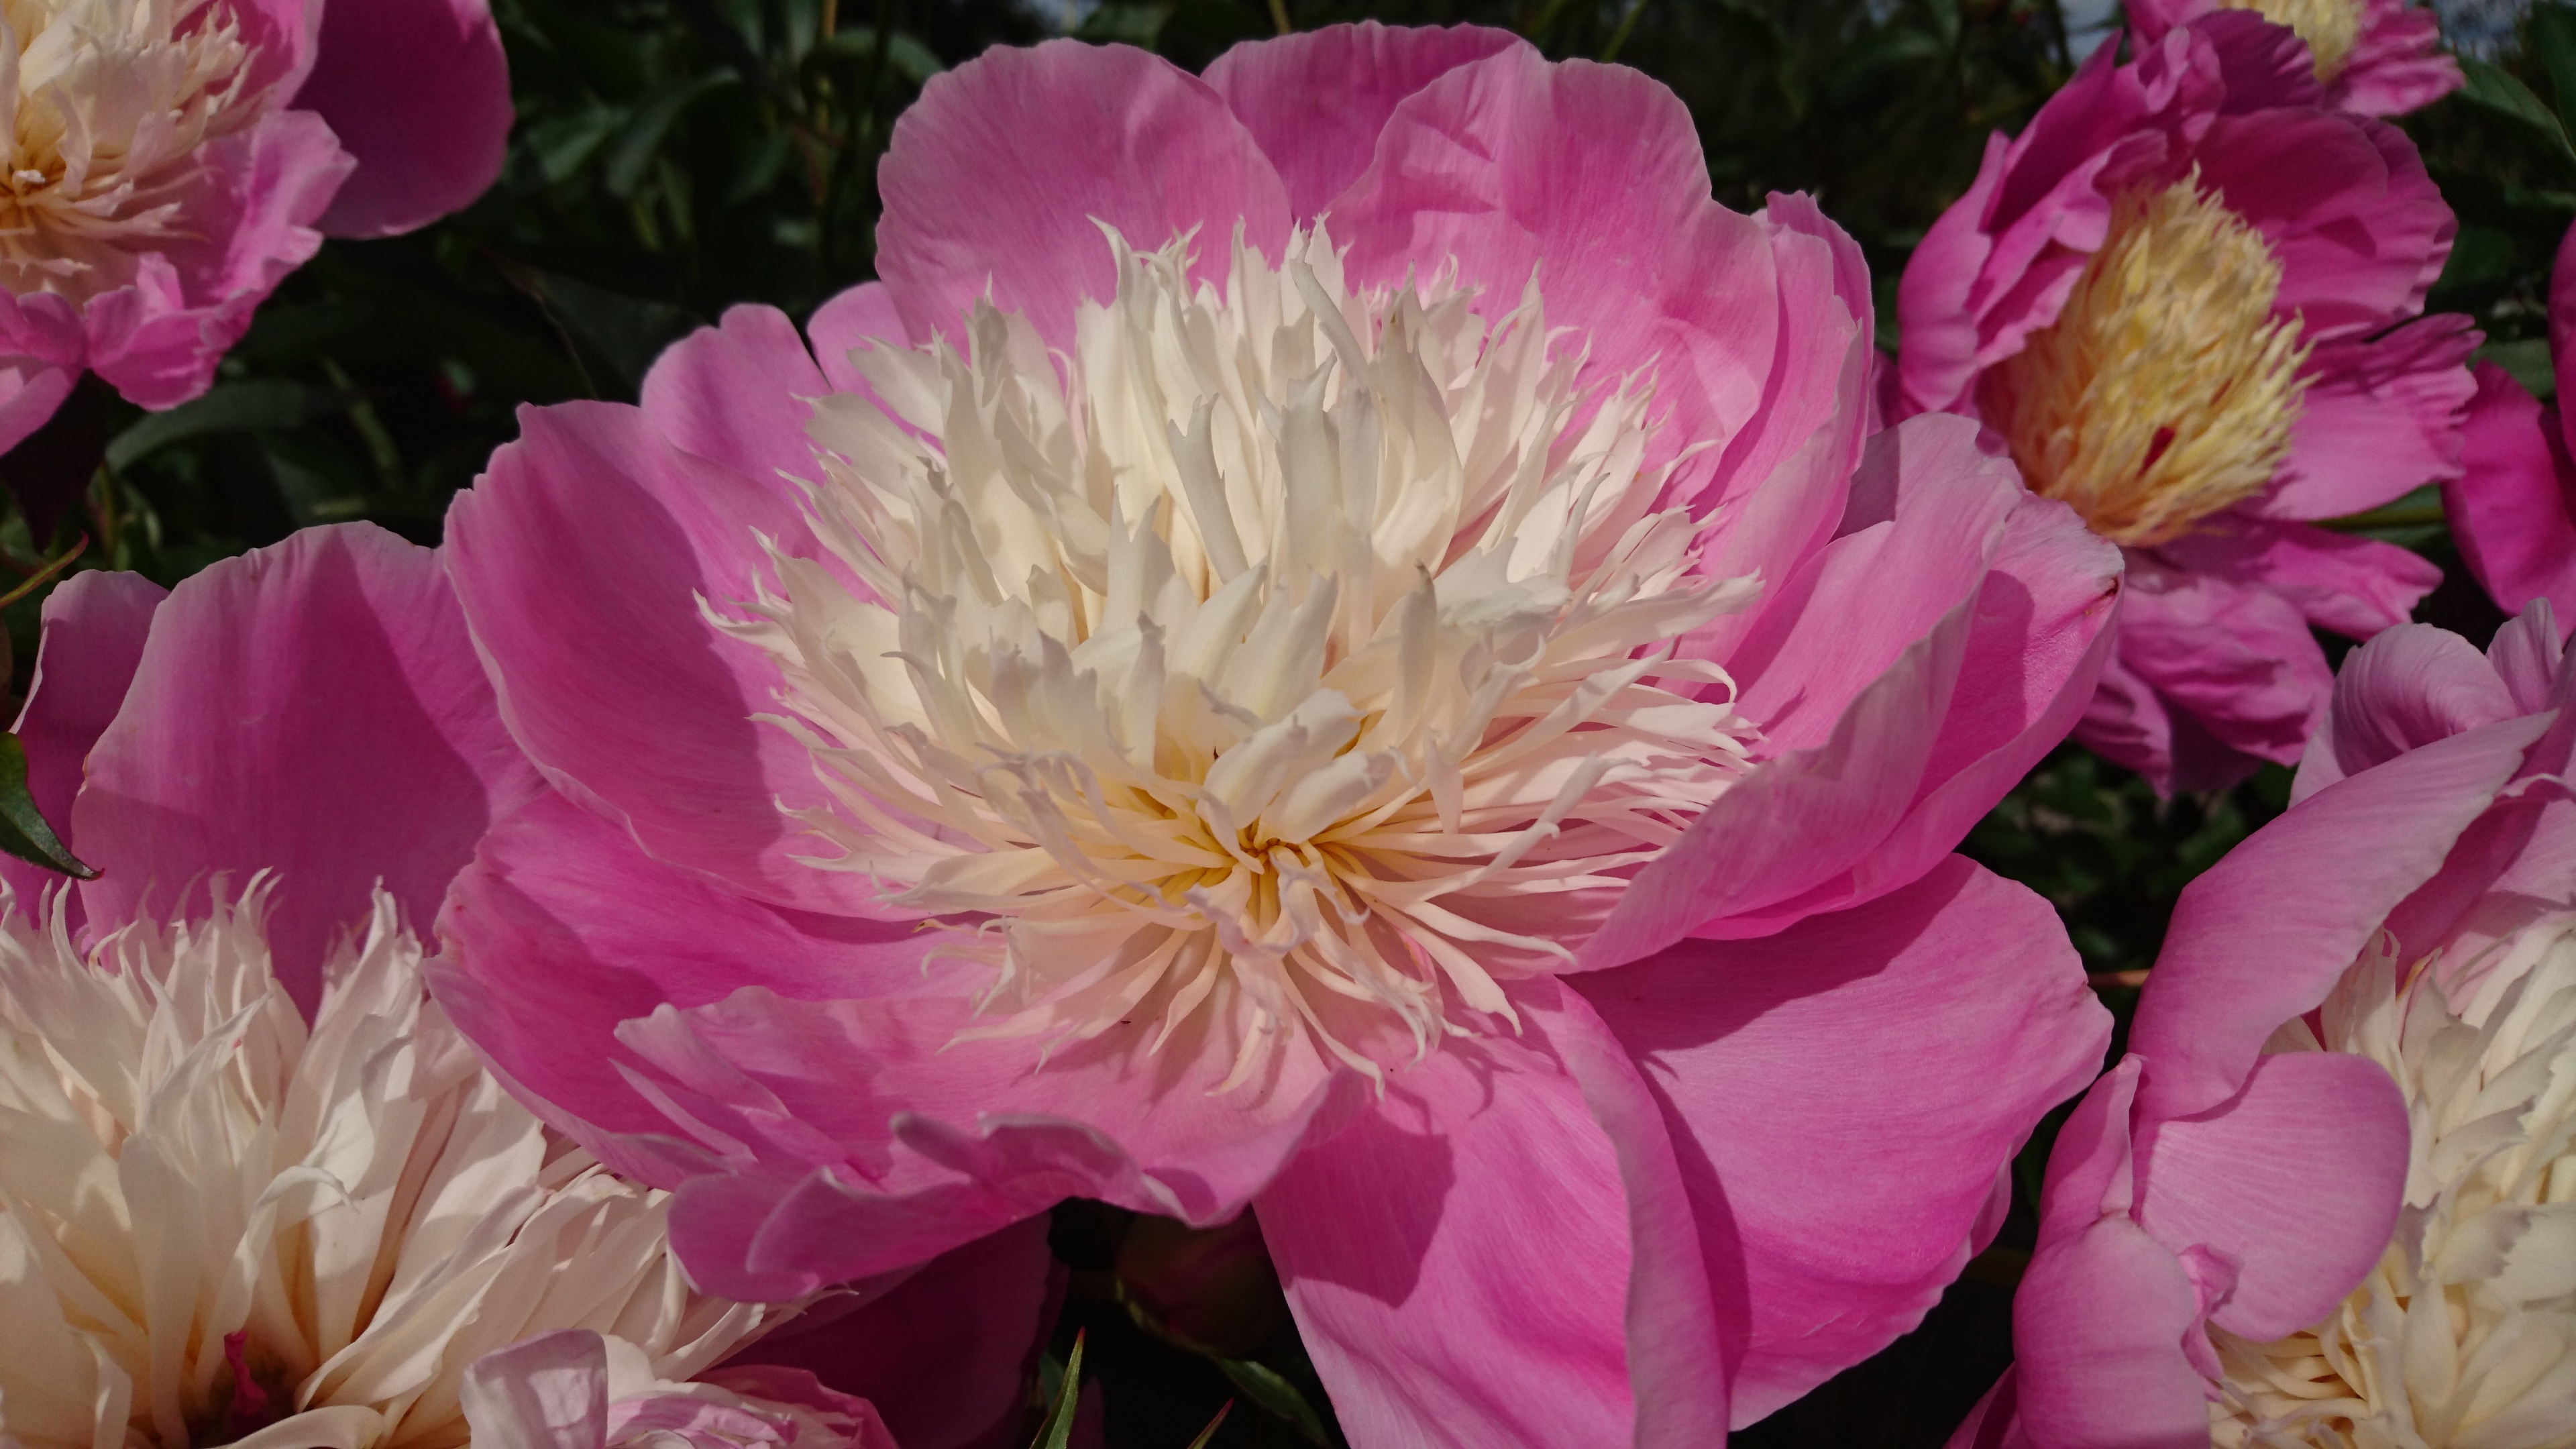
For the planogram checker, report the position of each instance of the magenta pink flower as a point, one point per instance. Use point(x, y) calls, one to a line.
point(2513, 509)
point(2374, 57)
point(2180, 300)
point(170, 161)
point(2242, 1227)
point(1330, 640)
point(290, 747)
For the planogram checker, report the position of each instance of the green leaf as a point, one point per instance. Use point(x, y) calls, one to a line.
point(2553, 43)
point(2529, 362)
point(2493, 89)
point(625, 332)
point(23, 831)
point(1201, 1442)
point(1124, 24)
point(1057, 1431)
point(233, 407)
point(910, 58)
point(641, 140)
point(1263, 1385)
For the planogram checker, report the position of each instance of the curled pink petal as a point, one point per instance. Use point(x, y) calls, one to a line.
point(419, 93)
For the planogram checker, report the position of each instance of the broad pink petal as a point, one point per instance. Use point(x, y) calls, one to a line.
point(94, 625)
point(30, 390)
point(2406, 688)
point(1995, 1423)
point(1316, 100)
point(859, 317)
point(2244, 954)
point(2098, 1328)
point(2513, 510)
point(2296, 1180)
point(940, 1355)
point(1000, 175)
point(313, 708)
point(581, 558)
point(2381, 418)
point(2359, 228)
point(2238, 657)
point(1411, 1249)
point(738, 394)
point(1846, 1093)
point(2353, 586)
point(419, 93)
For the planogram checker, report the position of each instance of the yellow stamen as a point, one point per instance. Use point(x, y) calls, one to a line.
point(2166, 390)
point(2330, 27)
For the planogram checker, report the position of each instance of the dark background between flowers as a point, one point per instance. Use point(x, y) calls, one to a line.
point(674, 157)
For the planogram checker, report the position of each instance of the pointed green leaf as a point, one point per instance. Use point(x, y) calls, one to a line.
point(1057, 1431)
point(2492, 88)
point(2553, 43)
point(1214, 1424)
point(1264, 1386)
point(23, 831)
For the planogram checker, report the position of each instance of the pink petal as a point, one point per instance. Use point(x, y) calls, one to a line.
point(1847, 1093)
point(738, 394)
point(581, 557)
point(1316, 100)
point(859, 317)
point(547, 1392)
point(1409, 1246)
point(30, 390)
point(2406, 688)
point(251, 209)
point(2353, 586)
point(2238, 657)
point(2359, 229)
point(2129, 724)
point(1995, 1423)
point(419, 93)
point(94, 625)
point(2398, 65)
point(2513, 510)
point(1593, 177)
point(2264, 934)
point(2296, 1180)
point(2098, 1328)
point(2382, 417)
point(313, 708)
point(940, 1355)
point(999, 176)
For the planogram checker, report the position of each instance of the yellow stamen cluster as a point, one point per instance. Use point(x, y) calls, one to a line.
point(2166, 390)
point(2330, 27)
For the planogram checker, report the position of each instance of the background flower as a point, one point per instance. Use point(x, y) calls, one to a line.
point(2513, 509)
point(2317, 1202)
point(785, 1042)
point(2374, 57)
point(2181, 299)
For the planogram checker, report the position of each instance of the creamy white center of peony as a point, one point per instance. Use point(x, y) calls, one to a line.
point(2330, 27)
point(108, 102)
point(1288, 663)
point(2464, 1333)
point(219, 1227)
point(2166, 390)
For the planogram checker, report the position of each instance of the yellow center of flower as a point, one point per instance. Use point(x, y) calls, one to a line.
point(2460, 1336)
point(108, 102)
point(2330, 27)
point(2166, 390)
point(1291, 664)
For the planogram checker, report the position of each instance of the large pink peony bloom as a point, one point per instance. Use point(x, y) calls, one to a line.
point(290, 748)
point(2248, 1226)
point(2513, 509)
point(1329, 640)
point(2180, 300)
point(2374, 57)
point(170, 161)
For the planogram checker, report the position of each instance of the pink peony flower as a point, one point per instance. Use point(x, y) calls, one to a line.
point(2180, 301)
point(2374, 57)
point(1329, 638)
point(311, 720)
point(2513, 509)
point(2324, 1200)
point(170, 161)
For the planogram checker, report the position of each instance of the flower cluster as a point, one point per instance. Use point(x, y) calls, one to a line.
point(1338, 655)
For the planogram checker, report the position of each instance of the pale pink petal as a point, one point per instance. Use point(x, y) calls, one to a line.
point(2295, 1181)
point(2129, 724)
point(2381, 418)
point(2513, 510)
point(1995, 1423)
point(998, 178)
point(1316, 100)
point(93, 630)
point(547, 1392)
point(738, 393)
point(30, 390)
point(2098, 1328)
point(2243, 954)
point(2353, 586)
point(419, 93)
point(312, 708)
point(581, 558)
point(1847, 1093)
point(1409, 1246)
point(940, 1354)
point(2527, 653)
point(2406, 688)
point(859, 317)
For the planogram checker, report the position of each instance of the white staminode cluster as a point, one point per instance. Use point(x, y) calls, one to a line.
point(108, 101)
point(219, 1227)
point(1286, 663)
point(2464, 1333)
